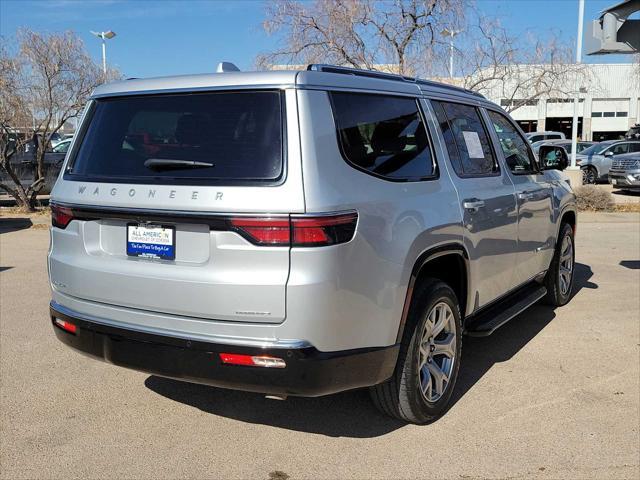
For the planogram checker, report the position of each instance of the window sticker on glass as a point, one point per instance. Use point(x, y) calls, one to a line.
point(474, 147)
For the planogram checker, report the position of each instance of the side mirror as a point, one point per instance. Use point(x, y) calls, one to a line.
point(553, 157)
point(608, 153)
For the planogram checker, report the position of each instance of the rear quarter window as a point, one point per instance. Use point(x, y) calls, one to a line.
point(383, 135)
point(219, 138)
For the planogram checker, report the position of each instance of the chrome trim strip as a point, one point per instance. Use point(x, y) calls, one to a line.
point(219, 339)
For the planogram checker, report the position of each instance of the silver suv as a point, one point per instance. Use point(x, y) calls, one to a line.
point(302, 232)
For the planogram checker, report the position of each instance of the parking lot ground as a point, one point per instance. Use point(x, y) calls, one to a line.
point(553, 394)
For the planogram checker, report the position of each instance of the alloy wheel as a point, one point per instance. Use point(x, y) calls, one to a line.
point(437, 352)
point(565, 272)
point(588, 176)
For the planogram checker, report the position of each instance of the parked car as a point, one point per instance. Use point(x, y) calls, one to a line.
point(625, 172)
point(582, 145)
point(596, 161)
point(25, 166)
point(302, 232)
point(537, 136)
point(633, 133)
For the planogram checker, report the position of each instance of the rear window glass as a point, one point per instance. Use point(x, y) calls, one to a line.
point(383, 135)
point(205, 138)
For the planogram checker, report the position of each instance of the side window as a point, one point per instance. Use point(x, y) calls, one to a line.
point(466, 139)
point(516, 149)
point(619, 148)
point(62, 147)
point(552, 136)
point(634, 147)
point(383, 135)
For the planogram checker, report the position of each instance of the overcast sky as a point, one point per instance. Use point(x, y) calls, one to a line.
point(165, 37)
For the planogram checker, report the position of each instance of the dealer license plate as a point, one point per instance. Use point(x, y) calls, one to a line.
point(151, 241)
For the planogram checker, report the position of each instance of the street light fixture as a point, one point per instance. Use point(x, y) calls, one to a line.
point(450, 33)
point(576, 98)
point(109, 34)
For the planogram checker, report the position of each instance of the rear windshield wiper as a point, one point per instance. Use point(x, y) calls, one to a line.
point(171, 164)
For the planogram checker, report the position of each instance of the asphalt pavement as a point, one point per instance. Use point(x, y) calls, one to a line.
point(553, 394)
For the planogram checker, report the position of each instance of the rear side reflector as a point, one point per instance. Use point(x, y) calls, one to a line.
point(64, 325)
point(297, 231)
point(60, 216)
point(252, 360)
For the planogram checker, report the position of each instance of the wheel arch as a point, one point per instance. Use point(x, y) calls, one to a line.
point(449, 263)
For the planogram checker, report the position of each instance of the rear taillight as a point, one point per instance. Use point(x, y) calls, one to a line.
point(297, 231)
point(60, 216)
point(325, 230)
point(263, 231)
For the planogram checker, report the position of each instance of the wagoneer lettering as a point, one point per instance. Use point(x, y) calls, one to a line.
point(375, 220)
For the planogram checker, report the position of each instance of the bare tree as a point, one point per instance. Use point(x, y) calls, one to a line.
point(44, 83)
point(518, 70)
point(394, 35)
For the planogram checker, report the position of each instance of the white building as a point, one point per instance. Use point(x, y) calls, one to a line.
point(609, 105)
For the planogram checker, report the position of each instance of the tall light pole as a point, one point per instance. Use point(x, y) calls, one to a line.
point(576, 98)
point(450, 33)
point(104, 36)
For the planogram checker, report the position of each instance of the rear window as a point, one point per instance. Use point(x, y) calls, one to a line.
point(206, 138)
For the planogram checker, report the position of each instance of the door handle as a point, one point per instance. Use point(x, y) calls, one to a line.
point(525, 195)
point(473, 204)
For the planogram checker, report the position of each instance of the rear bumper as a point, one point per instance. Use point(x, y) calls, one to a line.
point(308, 372)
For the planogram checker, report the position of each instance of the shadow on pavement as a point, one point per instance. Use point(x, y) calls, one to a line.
point(352, 414)
point(631, 264)
point(626, 193)
point(8, 225)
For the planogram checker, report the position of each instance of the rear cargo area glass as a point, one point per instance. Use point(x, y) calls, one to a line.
point(201, 139)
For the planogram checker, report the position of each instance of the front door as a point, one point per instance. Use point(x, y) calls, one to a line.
point(534, 194)
point(487, 201)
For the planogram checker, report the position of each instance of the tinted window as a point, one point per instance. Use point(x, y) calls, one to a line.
point(634, 147)
point(383, 135)
point(536, 138)
point(231, 137)
point(553, 136)
point(466, 139)
point(516, 150)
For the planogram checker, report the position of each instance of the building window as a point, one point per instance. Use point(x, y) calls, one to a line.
point(596, 114)
point(621, 114)
point(518, 102)
point(608, 114)
point(563, 100)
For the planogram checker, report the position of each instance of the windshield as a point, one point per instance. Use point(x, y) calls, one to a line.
point(596, 149)
point(230, 137)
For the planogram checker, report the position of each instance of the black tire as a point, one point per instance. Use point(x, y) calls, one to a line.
point(589, 176)
point(401, 396)
point(556, 294)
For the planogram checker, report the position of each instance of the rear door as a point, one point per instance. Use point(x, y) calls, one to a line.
point(178, 202)
point(487, 198)
point(534, 193)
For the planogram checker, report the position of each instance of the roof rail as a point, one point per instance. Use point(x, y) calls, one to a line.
point(320, 67)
